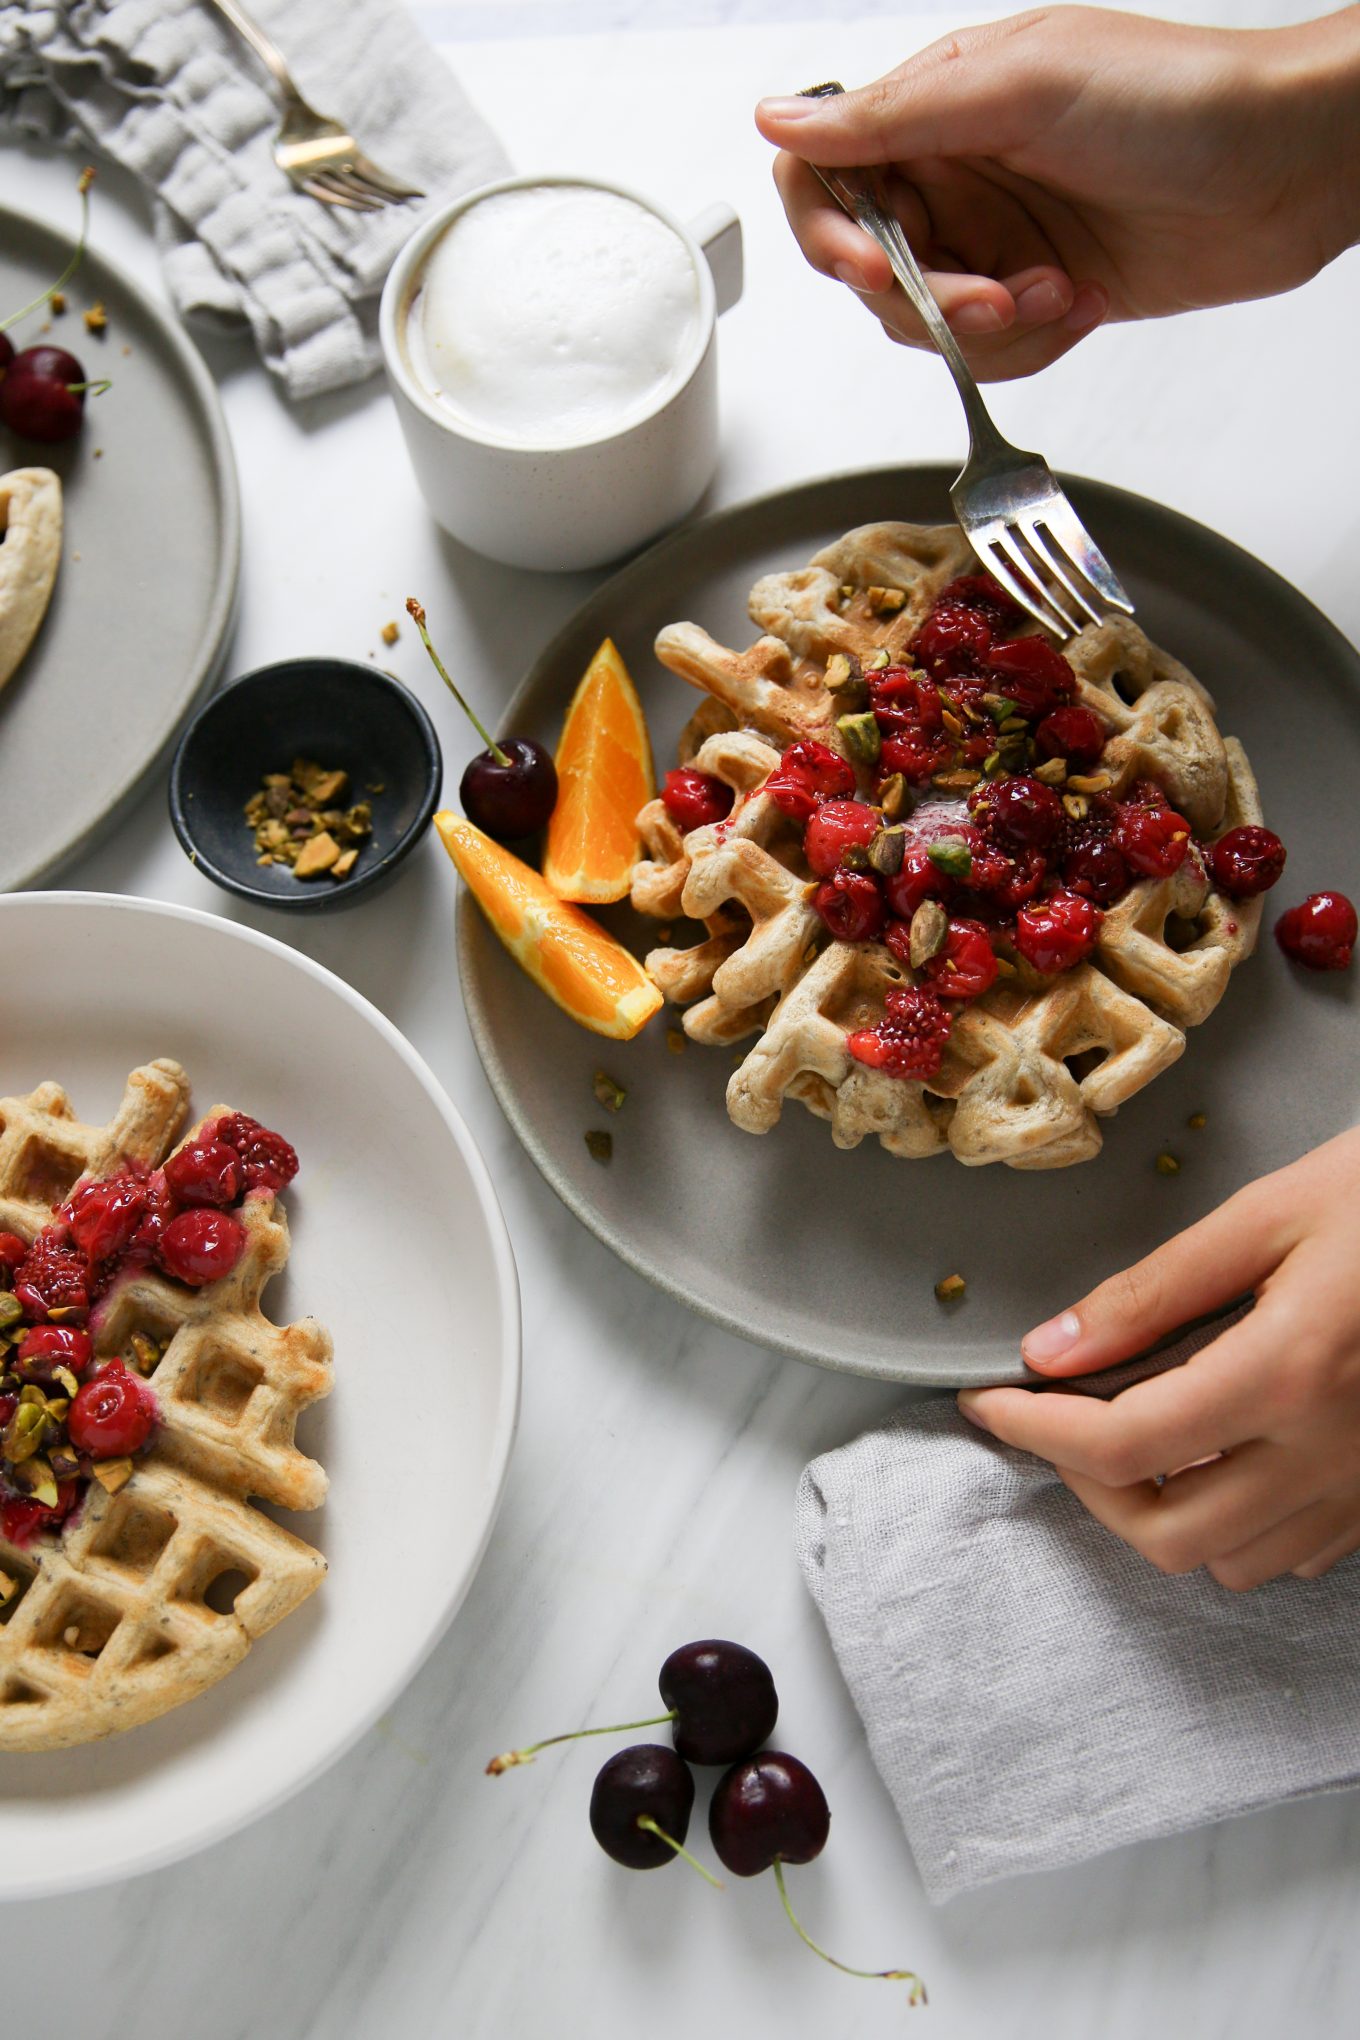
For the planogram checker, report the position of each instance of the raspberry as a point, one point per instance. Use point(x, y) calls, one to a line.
point(1320, 933)
point(1246, 861)
point(837, 826)
point(693, 799)
point(112, 1416)
point(851, 904)
point(1057, 933)
point(52, 1277)
point(910, 1039)
point(966, 967)
point(267, 1160)
point(201, 1246)
point(915, 753)
point(206, 1172)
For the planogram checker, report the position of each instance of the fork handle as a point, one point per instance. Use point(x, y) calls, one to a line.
point(269, 55)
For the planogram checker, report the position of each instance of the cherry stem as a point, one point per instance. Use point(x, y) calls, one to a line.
point(91, 389)
point(83, 187)
point(917, 1993)
point(508, 1759)
point(644, 1820)
point(417, 616)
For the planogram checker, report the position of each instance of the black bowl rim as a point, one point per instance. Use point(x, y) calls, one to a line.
point(312, 902)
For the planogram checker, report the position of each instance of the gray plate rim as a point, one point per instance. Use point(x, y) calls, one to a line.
point(107, 277)
point(472, 927)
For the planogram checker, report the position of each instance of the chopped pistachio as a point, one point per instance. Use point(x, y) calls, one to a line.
point(600, 1144)
point(96, 318)
point(951, 722)
point(112, 1474)
point(929, 932)
point(886, 851)
point(991, 764)
point(885, 601)
point(892, 796)
point(951, 855)
point(608, 1093)
point(316, 856)
point(57, 302)
point(1076, 806)
point(950, 1289)
point(11, 1310)
point(959, 779)
point(64, 1462)
point(1052, 772)
point(1004, 967)
point(1197, 1121)
point(36, 1478)
point(147, 1352)
point(389, 633)
point(860, 736)
point(67, 1380)
point(1090, 782)
point(999, 706)
point(876, 661)
point(847, 592)
point(675, 1040)
point(344, 863)
point(9, 1587)
point(1166, 1164)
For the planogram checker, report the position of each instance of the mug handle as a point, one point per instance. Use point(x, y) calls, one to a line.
point(718, 232)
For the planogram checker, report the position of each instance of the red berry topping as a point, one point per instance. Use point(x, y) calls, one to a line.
point(1056, 933)
point(12, 1251)
point(1094, 867)
point(910, 1039)
point(807, 773)
point(851, 904)
point(919, 879)
point(1021, 811)
point(22, 1519)
point(693, 799)
point(43, 1348)
point(1010, 882)
point(837, 826)
point(112, 1416)
point(103, 1216)
point(984, 592)
point(267, 1160)
point(8, 1405)
point(955, 638)
point(201, 1246)
point(1032, 675)
point(1320, 933)
point(1246, 861)
point(52, 1277)
point(915, 753)
point(966, 967)
point(1076, 734)
point(207, 1171)
point(903, 699)
point(1153, 840)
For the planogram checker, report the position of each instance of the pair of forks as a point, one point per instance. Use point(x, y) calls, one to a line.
point(1012, 511)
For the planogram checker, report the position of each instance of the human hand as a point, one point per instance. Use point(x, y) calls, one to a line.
point(1073, 163)
point(1276, 1395)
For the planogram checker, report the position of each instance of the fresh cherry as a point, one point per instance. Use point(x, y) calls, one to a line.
point(695, 799)
point(909, 1042)
point(509, 790)
point(767, 1808)
point(42, 394)
point(1320, 933)
point(268, 1161)
point(6, 352)
point(1076, 734)
point(113, 1415)
point(966, 967)
point(640, 1808)
point(207, 1171)
point(1056, 933)
point(103, 1216)
point(1021, 811)
point(835, 827)
point(44, 1348)
point(1152, 839)
point(722, 1698)
point(201, 1246)
point(851, 905)
point(1246, 861)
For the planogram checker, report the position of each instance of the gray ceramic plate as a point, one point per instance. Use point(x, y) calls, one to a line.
point(833, 1256)
point(138, 622)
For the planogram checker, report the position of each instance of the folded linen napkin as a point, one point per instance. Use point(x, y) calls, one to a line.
point(1033, 1691)
point(169, 91)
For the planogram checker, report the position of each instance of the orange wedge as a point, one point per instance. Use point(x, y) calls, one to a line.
point(604, 775)
point(588, 973)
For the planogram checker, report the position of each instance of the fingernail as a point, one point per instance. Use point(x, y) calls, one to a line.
point(1046, 1342)
point(1040, 303)
point(1089, 307)
point(977, 317)
point(969, 1409)
point(794, 108)
point(857, 280)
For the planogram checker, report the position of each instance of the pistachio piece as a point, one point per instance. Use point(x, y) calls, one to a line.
point(146, 1352)
point(876, 661)
point(316, 856)
point(951, 722)
point(675, 1040)
point(67, 1380)
point(892, 796)
point(854, 857)
point(847, 592)
point(957, 780)
point(929, 932)
point(26, 1429)
point(950, 1289)
point(1197, 1121)
point(36, 1478)
point(999, 707)
point(952, 856)
point(344, 863)
point(860, 736)
point(11, 1310)
point(991, 764)
point(600, 1144)
point(1076, 806)
point(389, 633)
point(1166, 1164)
point(609, 1094)
point(1090, 782)
point(885, 601)
point(1011, 724)
point(63, 1462)
point(112, 1474)
point(886, 850)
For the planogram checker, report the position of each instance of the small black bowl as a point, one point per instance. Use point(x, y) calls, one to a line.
point(336, 712)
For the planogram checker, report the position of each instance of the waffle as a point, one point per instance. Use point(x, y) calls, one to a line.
point(151, 1594)
point(1032, 1066)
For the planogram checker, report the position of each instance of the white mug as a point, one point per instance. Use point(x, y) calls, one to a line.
point(580, 505)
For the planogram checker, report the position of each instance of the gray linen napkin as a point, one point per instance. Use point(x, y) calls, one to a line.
point(170, 92)
point(1035, 1693)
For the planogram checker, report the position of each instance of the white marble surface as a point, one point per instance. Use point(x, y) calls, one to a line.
point(650, 1498)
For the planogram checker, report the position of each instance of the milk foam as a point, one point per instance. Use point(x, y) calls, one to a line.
point(554, 314)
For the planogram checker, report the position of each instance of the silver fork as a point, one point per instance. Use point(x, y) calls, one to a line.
point(1018, 521)
point(317, 155)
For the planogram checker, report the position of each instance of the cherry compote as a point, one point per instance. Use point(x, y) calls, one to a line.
point(1246, 861)
point(694, 799)
point(1320, 933)
point(1057, 933)
point(910, 1040)
point(851, 904)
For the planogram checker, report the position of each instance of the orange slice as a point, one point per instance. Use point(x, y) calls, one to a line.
point(588, 973)
point(604, 775)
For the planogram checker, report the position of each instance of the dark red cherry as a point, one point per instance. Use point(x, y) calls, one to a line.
point(695, 799)
point(1246, 861)
point(514, 799)
point(1057, 933)
point(966, 967)
point(1035, 677)
point(201, 1246)
point(647, 1782)
point(724, 1700)
point(851, 904)
point(113, 1415)
point(769, 1806)
point(1022, 811)
point(44, 1348)
point(838, 826)
point(1319, 934)
point(1153, 840)
point(6, 352)
point(1096, 868)
point(103, 1216)
point(1076, 734)
point(42, 394)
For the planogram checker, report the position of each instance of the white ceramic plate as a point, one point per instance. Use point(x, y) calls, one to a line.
point(398, 1246)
